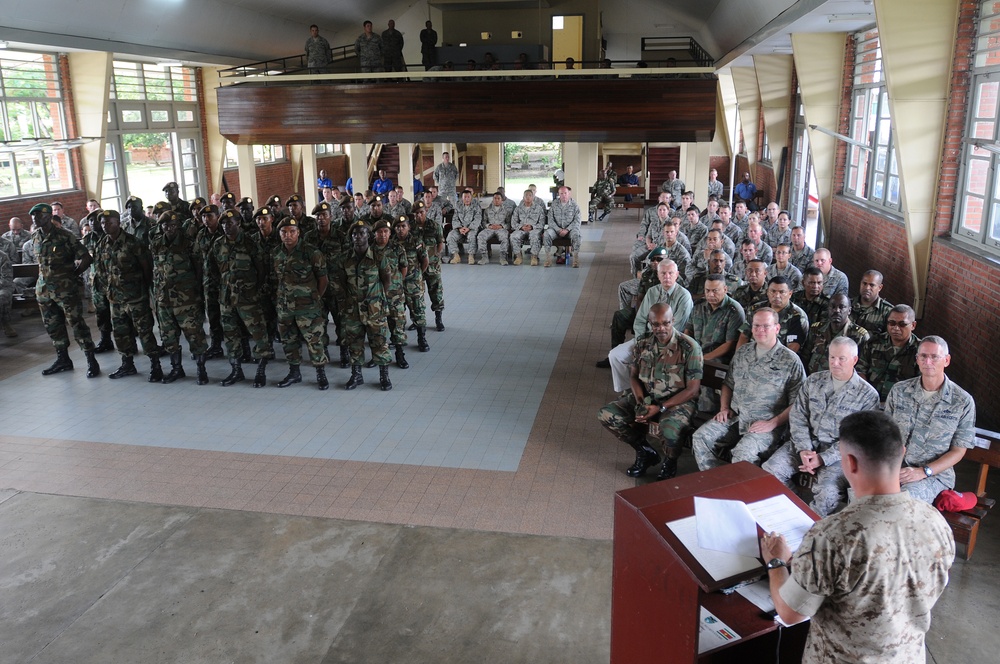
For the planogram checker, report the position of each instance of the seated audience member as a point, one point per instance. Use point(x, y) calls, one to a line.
point(714, 186)
point(665, 376)
point(464, 226)
point(496, 224)
point(869, 310)
point(792, 321)
point(822, 333)
point(891, 357)
point(17, 235)
point(745, 191)
point(650, 233)
point(834, 281)
point(802, 254)
point(729, 228)
point(527, 222)
point(780, 233)
point(782, 268)
point(668, 291)
point(811, 299)
point(604, 194)
point(710, 213)
point(770, 217)
point(755, 232)
point(868, 589)
point(564, 221)
point(760, 387)
point(937, 419)
point(673, 186)
point(628, 179)
point(697, 269)
point(692, 226)
point(727, 245)
point(6, 295)
point(753, 290)
point(825, 399)
point(715, 324)
point(631, 292)
point(747, 252)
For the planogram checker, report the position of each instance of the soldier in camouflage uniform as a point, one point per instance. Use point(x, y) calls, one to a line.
point(62, 260)
point(465, 224)
point(127, 269)
point(869, 310)
point(98, 289)
point(937, 420)
point(780, 233)
point(697, 268)
point(208, 233)
point(177, 204)
point(891, 357)
point(363, 284)
point(665, 377)
point(392, 256)
point(330, 243)
point(445, 177)
point(394, 206)
point(429, 232)
point(527, 221)
point(839, 324)
point(604, 193)
point(297, 211)
point(564, 221)
point(814, 422)
point(242, 272)
point(793, 322)
point(177, 293)
point(135, 222)
point(802, 254)
point(496, 224)
point(266, 237)
point(753, 291)
point(715, 324)
point(368, 48)
point(302, 279)
point(782, 268)
point(650, 236)
point(811, 299)
point(762, 383)
point(692, 227)
point(413, 285)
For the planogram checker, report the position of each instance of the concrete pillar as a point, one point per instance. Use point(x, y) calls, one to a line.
point(405, 176)
point(774, 81)
point(729, 116)
point(819, 62)
point(307, 155)
point(581, 171)
point(248, 171)
point(493, 165)
point(215, 148)
point(90, 79)
point(295, 160)
point(357, 166)
point(748, 96)
point(918, 44)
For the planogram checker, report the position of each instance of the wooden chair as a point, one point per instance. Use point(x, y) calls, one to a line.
point(965, 525)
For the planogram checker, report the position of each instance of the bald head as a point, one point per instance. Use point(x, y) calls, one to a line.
point(16, 224)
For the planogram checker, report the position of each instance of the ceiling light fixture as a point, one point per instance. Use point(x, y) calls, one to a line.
point(848, 18)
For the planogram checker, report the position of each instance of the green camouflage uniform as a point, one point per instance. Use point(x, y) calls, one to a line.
point(299, 302)
point(884, 365)
point(393, 256)
point(59, 290)
point(177, 292)
point(364, 307)
point(816, 353)
point(266, 246)
point(120, 266)
point(98, 289)
point(871, 318)
point(241, 268)
point(604, 193)
point(663, 370)
point(432, 236)
point(747, 298)
point(210, 279)
point(332, 248)
point(817, 310)
point(710, 328)
point(413, 285)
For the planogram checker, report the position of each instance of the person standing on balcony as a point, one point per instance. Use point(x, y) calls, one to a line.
point(428, 46)
point(392, 48)
point(368, 48)
point(317, 52)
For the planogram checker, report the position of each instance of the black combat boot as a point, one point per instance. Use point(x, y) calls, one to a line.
point(321, 380)
point(176, 368)
point(247, 355)
point(155, 370)
point(383, 379)
point(422, 339)
point(105, 345)
point(401, 358)
point(370, 364)
point(236, 375)
point(356, 377)
point(645, 458)
point(345, 357)
point(260, 380)
point(438, 321)
point(202, 374)
point(294, 376)
point(62, 363)
point(93, 368)
point(126, 369)
point(215, 350)
point(669, 468)
point(412, 326)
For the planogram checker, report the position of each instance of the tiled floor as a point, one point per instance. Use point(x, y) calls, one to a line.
point(493, 429)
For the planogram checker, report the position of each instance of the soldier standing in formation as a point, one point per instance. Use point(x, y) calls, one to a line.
point(207, 235)
point(430, 233)
point(413, 284)
point(393, 257)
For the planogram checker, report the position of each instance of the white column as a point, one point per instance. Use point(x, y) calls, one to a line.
point(405, 175)
point(309, 175)
point(248, 171)
point(357, 167)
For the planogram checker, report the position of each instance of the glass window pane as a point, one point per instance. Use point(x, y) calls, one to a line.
point(20, 120)
point(30, 172)
point(159, 116)
point(187, 161)
point(188, 145)
point(110, 169)
point(880, 158)
point(986, 102)
point(131, 115)
point(8, 183)
point(893, 197)
point(983, 130)
point(878, 187)
point(994, 232)
point(185, 116)
point(57, 168)
point(978, 171)
point(972, 214)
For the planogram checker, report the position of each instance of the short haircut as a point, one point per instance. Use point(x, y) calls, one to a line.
point(688, 193)
point(850, 343)
point(715, 277)
point(314, 26)
point(936, 340)
point(695, 208)
point(724, 205)
point(366, 23)
point(747, 242)
point(813, 270)
point(874, 273)
point(779, 280)
point(785, 245)
point(874, 435)
point(772, 314)
point(904, 309)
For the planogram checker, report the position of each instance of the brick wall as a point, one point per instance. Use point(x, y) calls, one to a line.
point(74, 202)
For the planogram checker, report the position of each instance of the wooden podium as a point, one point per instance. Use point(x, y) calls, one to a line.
point(658, 587)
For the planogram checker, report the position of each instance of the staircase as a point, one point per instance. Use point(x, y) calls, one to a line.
point(388, 160)
point(659, 162)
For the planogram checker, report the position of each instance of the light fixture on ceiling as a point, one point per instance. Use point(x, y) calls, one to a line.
point(848, 18)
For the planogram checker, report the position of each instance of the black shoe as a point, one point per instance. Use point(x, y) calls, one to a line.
point(247, 355)
point(422, 339)
point(345, 357)
point(668, 470)
point(214, 351)
point(438, 322)
point(176, 368)
point(93, 368)
point(412, 327)
point(202, 374)
point(383, 379)
point(105, 345)
point(62, 363)
point(645, 457)
point(294, 376)
point(603, 364)
point(236, 375)
point(155, 370)
point(356, 378)
point(401, 358)
point(260, 379)
point(370, 363)
point(324, 384)
point(126, 369)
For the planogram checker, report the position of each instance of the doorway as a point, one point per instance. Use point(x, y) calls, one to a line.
point(567, 40)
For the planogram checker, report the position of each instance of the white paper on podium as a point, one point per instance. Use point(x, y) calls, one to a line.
point(712, 632)
point(780, 514)
point(726, 525)
point(718, 564)
point(759, 594)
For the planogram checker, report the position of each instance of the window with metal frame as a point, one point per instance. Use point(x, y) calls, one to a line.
point(262, 154)
point(977, 216)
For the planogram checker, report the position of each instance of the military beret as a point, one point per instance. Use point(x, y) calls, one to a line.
point(134, 199)
point(322, 207)
point(274, 201)
point(360, 224)
point(378, 199)
point(401, 219)
point(199, 202)
point(40, 208)
point(169, 216)
point(380, 224)
point(263, 212)
point(228, 196)
point(108, 214)
point(288, 221)
point(294, 198)
point(210, 209)
point(659, 252)
point(171, 185)
point(246, 201)
point(228, 214)
point(92, 217)
point(160, 207)
point(419, 206)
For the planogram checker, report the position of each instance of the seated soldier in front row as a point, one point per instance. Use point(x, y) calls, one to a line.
point(665, 377)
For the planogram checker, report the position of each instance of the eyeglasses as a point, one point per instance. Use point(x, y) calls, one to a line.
point(897, 323)
point(924, 357)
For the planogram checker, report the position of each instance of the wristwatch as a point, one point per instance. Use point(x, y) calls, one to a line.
point(927, 471)
point(775, 563)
